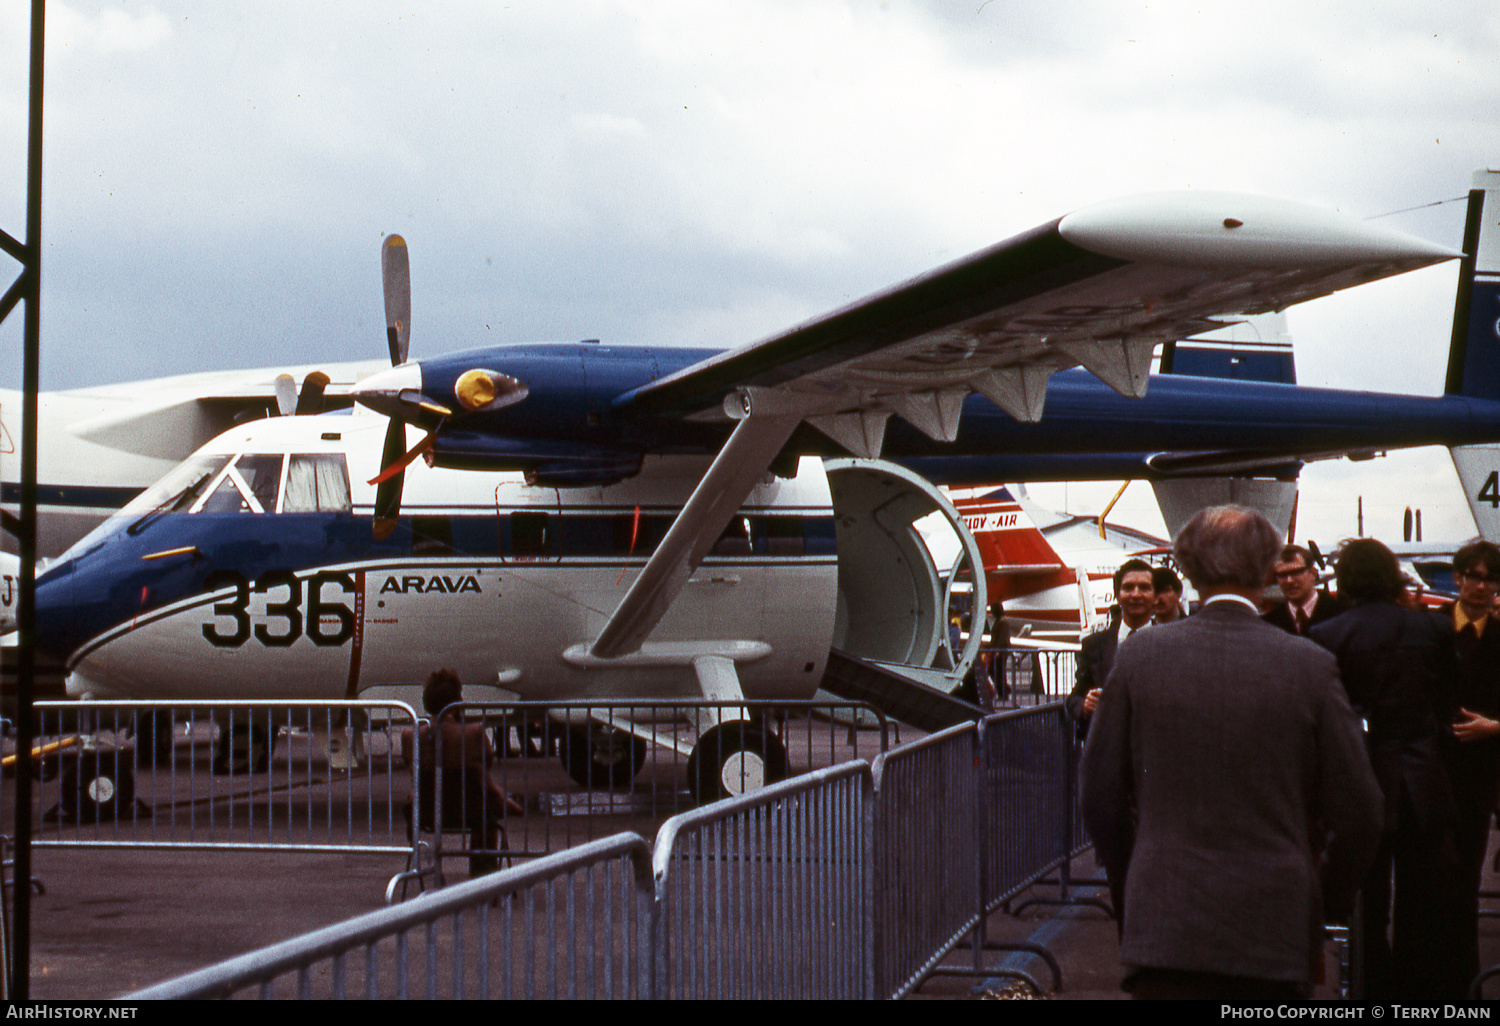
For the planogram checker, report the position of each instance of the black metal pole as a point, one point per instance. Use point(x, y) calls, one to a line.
point(26, 607)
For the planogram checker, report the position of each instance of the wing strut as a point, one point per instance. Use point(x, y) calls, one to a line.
point(753, 444)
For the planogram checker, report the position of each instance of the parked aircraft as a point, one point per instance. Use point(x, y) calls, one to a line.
point(1052, 572)
point(323, 555)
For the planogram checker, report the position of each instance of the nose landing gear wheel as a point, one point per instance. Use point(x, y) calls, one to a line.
point(98, 786)
point(734, 758)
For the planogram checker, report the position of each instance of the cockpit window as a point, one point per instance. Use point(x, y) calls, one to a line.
point(317, 484)
point(263, 475)
point(176, 492)
point(249, 486)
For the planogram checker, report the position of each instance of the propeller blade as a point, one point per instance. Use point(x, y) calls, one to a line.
point(405, 461)
point(388, 494)
point(286, 395)
point(310, 400)
point(395, 273)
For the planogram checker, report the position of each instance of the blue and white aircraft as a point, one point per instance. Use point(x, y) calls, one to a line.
point(563, 521)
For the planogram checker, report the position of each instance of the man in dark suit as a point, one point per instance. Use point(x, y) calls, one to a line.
point(1473, 757)
point(1135, 592)
point(1218, 744)
point(1306, 604)
point(1168, 595)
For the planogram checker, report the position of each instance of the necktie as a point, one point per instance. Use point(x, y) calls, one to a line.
point(1301, 616)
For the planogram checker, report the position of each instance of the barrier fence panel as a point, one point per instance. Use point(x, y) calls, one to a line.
point(849, 881)
point(1024, 759)
point(767, 895)
point(310, 776)
point(574, 925)
point(926, 865)
point(564, 774)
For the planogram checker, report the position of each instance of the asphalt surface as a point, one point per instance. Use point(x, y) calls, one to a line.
point(113, 921)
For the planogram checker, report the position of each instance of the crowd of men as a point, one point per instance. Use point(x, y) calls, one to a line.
point(1260, 769)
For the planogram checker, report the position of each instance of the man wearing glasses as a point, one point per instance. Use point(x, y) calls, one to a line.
point(1305, 603)
point(1474, 762)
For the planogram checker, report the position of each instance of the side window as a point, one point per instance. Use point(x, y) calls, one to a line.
point(785, 537)
point(735, 541)
point(317, 484)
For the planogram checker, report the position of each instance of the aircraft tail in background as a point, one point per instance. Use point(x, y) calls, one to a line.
point(1474, 354)
point(1024, 571)
point(1258, 348)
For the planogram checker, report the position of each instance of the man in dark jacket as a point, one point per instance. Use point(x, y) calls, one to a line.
point(1306, 604)
point(1474, 757)
point(1135, 592)
point(1398, 670)
point(1218, 744)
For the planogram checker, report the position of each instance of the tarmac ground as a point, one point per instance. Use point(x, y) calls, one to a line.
point(112, 921)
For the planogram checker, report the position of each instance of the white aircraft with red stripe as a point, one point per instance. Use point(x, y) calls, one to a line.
point(1058, 580)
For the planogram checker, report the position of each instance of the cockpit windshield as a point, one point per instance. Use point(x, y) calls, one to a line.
point(250, 486)
point(251, 483)
point(174, 493)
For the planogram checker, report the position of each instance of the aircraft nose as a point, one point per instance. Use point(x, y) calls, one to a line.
point(55, 611)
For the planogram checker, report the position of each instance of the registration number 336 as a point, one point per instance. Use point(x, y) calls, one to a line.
point(294, 607)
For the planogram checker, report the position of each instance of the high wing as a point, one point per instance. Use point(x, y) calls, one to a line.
point(1100, 287)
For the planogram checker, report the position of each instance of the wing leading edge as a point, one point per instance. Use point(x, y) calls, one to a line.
point(1101, 288)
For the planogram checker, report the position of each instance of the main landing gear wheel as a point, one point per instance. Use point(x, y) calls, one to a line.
point(600, 757)
point(98, 785)
point(734, 758)
point(246, 749)
point(155, 736)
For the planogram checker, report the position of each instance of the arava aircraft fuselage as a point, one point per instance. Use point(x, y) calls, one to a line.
point(311, 604)
point(492, 577)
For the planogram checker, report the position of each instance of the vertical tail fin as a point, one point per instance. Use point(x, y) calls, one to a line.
point(1018, 559)
point(1259, 348)
point(1256, 348)
point(1474, 353)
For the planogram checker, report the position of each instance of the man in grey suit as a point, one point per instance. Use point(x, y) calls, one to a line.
point(1223, 761)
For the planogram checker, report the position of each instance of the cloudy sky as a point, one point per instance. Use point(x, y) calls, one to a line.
point(219, 176)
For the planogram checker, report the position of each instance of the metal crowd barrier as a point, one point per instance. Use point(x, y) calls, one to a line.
point(565, 774)
point(768, 895)
point(262, 776)
point(927, 801)
point(572, 925)
point(845, 882)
